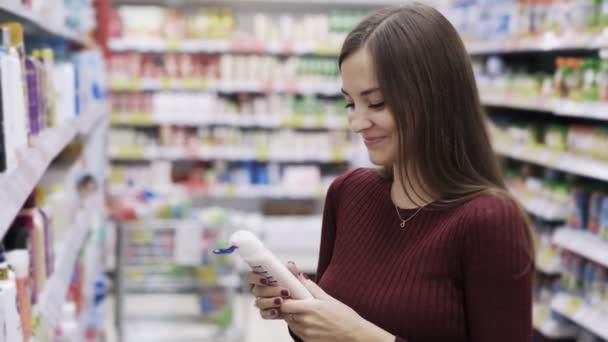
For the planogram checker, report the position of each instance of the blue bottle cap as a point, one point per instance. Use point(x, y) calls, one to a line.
point(225, 251)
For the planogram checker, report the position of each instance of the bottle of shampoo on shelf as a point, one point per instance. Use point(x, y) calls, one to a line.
point(33, 79)
point(15, 62)
point(10, 323)
point(18, 258)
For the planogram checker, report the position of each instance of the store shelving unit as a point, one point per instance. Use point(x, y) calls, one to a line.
point(19, 183)
point(583, 243)
point(169, 153)
point(548, 326)
point(563, 161)
point(545, 43)
point(230, 120)
point(37, 25)
point(48, 310)
point(548, 318)
point(583, 314)
point(327, 89)
point(586, 110)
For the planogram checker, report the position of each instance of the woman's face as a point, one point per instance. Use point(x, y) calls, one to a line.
point(368, 115)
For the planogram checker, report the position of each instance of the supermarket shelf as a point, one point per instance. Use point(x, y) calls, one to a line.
point(48, 310)
point(18, 184)
point(581, 313)
point(340, 3)
point(549, 327)
point(233, 120)
point(587, 110)
point(583, 243)
point(184, 286)
point(234, 191)
point(249, 46)
point(38, 25)
point(545, 209)
point(85, 123)
point(563, 161)
point(548, 263)
point(547, 42)
point(174, 154)
point(322, 88)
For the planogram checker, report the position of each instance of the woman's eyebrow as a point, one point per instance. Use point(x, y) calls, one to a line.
point(363, 93)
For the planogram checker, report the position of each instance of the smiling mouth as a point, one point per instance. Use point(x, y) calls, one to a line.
point(373, 141)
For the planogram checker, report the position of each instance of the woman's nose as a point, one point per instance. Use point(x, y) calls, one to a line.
point(359, 123)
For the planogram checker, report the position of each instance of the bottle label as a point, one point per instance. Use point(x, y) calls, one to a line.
point(262, 271)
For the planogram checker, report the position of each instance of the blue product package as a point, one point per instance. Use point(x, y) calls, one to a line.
point(604, 219)
point(595, 209)
point(578, 219)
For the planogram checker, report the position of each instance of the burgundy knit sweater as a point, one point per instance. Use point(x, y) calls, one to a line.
point(459, 274)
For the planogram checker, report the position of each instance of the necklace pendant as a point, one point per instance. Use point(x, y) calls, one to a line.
point(402, 224)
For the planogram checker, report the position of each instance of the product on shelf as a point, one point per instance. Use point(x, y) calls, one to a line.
point(196, 109)
point(183, 143)
point(77, 15)
point(512, 20)
point(30, 92)
point(251, 73)
point(152, 26)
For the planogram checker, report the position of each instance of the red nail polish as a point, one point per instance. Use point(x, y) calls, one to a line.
point(284, 293)
point(278, 301)
point(264, 281)
point(305, 276)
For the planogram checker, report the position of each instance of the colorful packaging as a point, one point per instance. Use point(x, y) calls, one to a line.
point(579, 217)
point(595, 207)
point(604, 219)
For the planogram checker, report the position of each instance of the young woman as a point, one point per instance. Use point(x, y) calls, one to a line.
point(432, 247)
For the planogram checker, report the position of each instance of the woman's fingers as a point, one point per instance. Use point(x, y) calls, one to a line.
point(270, 291)
point(268, 303)
point(271, 314)
point(256, 279)
point(293, 268)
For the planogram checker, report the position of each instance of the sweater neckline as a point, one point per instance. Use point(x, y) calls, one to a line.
point(403, 211)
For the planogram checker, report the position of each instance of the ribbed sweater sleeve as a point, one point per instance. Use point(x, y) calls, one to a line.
point(328, 231)
point(498, 271)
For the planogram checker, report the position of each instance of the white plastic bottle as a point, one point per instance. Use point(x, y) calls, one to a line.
point(264, 263)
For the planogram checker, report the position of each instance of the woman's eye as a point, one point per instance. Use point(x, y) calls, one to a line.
point(350, 107)
point(379, 105)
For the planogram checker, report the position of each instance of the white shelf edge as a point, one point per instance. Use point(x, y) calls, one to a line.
point(232, 123)
point(558, 107)
point(548, 42)
point(548, 269)
point(270, 192)
point(566, 162)
point(542, 212)
point(218, 46)
point(582, 314)
point(39, 21)
point(15, 186)
point(224, 86)
point(48, 309)
point(548, 326)
point(582, 243)
point(155, 154)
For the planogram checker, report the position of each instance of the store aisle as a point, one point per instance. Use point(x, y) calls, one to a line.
point(173, 318)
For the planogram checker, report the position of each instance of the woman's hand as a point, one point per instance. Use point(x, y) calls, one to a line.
point(324, 318)
point(269, 298)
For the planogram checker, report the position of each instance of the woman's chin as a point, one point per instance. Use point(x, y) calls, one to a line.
point(379, 160)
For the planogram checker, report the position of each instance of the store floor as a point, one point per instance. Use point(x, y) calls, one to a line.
point(175, 318)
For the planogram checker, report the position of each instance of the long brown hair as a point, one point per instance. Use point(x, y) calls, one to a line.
point(425, 76)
